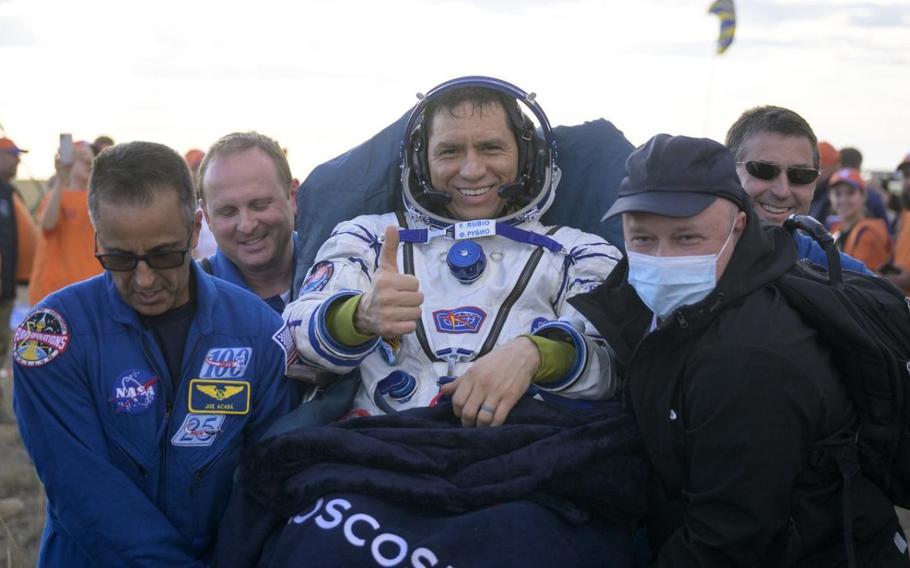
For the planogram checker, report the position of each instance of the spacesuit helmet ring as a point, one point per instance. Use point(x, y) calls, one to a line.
point(527, 197)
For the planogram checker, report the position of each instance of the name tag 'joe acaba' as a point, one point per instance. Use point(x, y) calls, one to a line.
point(213, 396)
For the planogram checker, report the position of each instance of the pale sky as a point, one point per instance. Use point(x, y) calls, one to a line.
point(323, 76)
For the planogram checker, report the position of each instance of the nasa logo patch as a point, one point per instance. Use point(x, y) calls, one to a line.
point(134, 392)
point(225, 362)
point(219, 397)
point(467, 319)
point(318, 277)
point(40, 338)
point(198, 430)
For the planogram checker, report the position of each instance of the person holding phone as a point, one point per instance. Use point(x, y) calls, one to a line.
point(65, 253)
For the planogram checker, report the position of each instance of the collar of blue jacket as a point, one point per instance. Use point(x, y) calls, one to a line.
point(121, 312)
point(224, 268)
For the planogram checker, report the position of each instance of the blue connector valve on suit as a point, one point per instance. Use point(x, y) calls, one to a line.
point(398, 386)
point(466, 261)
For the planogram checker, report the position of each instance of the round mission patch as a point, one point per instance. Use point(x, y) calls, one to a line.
point(40, 338)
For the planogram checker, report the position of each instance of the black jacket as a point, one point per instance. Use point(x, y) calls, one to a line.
point(9, 243)
point(737, 399)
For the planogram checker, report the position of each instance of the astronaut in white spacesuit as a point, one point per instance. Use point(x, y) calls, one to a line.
point(463, 292)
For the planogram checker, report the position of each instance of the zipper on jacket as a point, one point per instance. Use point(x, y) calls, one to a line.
point(503, 314)
point(168, 406)
point(681, 319)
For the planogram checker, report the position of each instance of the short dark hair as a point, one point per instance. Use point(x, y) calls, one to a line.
point(134, 173)
point(851, 158)
point(769, 118)
point(240, 142)
point(101, 143)
point(480, 98)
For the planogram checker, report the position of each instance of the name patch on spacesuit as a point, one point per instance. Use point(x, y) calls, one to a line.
point(40, 338)
point(225, 362)
point(475, 229)
point(466, 319)
point(219, 397)
point(134, 391)
point(198, 430)
point(318, 277)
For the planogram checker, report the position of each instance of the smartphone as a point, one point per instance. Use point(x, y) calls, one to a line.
point(66, 148)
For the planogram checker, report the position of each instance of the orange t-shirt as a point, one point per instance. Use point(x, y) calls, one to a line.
point(869, 242)
point(28, 239)
point(66, 253)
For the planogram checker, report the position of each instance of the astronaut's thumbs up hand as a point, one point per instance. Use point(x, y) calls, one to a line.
point(391, 307)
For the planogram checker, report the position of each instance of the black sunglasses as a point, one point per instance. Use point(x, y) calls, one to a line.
point(125, 261)
point(767, 172)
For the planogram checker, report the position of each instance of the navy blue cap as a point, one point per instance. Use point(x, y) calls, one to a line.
point(678, 176)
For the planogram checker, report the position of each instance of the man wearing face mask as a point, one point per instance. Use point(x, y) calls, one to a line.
point(734, 394)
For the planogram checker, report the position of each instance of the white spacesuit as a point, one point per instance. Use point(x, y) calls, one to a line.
point(484, 281)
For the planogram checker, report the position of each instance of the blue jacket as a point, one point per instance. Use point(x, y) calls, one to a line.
point(810, 250)
point(134, 474)
point(224, 268)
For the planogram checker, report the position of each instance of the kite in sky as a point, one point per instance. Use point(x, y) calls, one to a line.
point(725, 11)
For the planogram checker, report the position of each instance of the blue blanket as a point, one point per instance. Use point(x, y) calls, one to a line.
point(569, 483)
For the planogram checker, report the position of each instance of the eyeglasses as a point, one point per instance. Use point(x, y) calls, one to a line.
point(767, 172)
point(124, 261)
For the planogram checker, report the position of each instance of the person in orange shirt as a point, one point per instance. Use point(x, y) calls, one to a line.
point(27, 239)
point(65, 252)
point(862, 237)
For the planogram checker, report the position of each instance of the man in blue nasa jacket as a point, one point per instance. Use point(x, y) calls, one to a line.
point(248, 197)
point(137, 390)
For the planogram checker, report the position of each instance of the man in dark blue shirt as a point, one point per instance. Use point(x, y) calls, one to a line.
point(777, 161)
point(248, 197)
point(138, 390)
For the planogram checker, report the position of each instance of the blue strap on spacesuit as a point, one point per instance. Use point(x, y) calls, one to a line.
point(510, 232)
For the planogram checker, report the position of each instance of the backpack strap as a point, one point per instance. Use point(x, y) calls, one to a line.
point(847, 459)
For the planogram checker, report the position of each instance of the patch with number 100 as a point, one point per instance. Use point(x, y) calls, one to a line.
point(225, 362)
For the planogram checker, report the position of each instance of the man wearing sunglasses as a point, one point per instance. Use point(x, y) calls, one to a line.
point(137, 390)
point(777, 161)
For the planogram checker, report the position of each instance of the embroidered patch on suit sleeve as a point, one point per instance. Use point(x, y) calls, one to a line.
point(40, 338)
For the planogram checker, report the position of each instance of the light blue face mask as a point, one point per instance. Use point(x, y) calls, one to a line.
point(666, 283)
